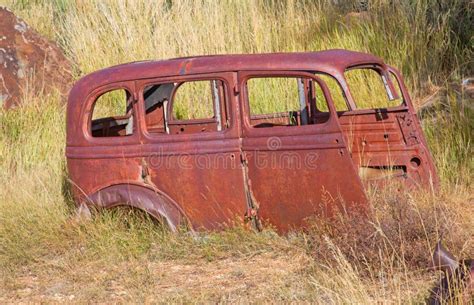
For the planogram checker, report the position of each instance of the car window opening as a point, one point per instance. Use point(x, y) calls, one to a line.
point(370, 90)
point(284, 101)
point(112, 114)
point(185, 107)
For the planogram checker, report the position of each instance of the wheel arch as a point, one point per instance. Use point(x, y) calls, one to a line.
point(143, 197)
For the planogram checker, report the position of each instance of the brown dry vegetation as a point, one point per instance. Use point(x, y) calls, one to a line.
point(123, 256)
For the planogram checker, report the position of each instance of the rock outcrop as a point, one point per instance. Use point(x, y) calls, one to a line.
point(28, 60)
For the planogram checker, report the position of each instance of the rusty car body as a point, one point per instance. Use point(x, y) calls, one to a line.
point(232, 163)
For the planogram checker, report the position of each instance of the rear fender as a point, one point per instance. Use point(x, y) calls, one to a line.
point(145, 198)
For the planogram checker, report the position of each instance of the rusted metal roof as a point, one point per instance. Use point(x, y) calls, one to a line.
point(327, 61)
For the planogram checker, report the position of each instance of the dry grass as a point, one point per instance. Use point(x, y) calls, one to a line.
point(122, 256)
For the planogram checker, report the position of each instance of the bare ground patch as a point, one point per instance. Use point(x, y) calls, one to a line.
point(266, 276)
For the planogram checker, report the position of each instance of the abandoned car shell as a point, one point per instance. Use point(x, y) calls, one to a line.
point(235, 162)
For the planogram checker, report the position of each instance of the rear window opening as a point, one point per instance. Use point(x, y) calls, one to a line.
point(112, 114)
point(370, 90)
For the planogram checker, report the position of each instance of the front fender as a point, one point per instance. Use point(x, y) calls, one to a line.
point(152, 201)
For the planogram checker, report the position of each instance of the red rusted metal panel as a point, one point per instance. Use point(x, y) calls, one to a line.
point(216, 171)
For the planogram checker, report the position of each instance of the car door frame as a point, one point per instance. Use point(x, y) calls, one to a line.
point(286, 215)
point(198, 190)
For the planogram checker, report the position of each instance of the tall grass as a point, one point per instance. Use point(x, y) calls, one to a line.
point(450, 132)
point(430, 41)
point(427, 40)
